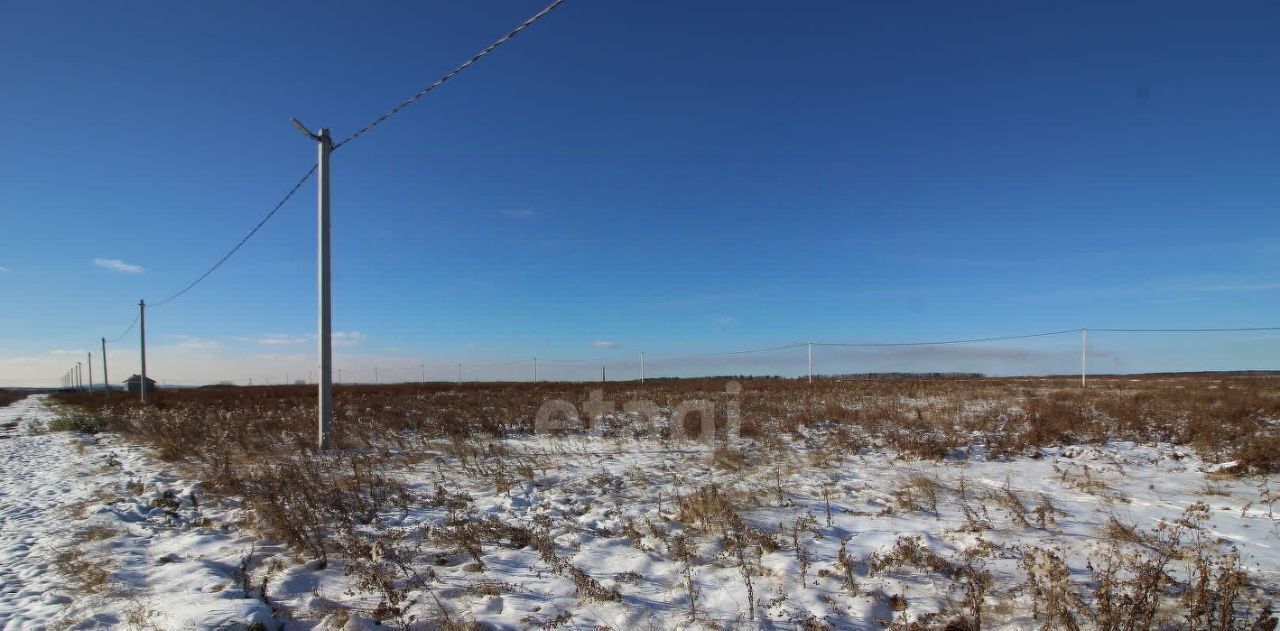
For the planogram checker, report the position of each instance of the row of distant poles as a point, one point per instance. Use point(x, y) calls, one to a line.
point(75, 377)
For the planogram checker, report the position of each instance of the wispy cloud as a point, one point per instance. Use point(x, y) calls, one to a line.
point(520, 213)
point(4, 270)
point(281, 340)
point(116, 265)
point(65, 352)
point(604, 344)
point(194, 343)
point(294, 357)
point(351, 338)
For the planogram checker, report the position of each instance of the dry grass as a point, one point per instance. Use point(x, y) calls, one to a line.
point(8, 397)
point(259, 443)
point(1219, 416)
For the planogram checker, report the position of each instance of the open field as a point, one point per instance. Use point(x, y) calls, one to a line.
point(1138, 503)
point(11, 396)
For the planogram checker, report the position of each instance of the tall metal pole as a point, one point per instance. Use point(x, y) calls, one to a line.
point(535, 368)
point(106, 383)
point(90, 365)
point(810, 362)
point(1084, 354)
point(325, 147)
point(642, 368)
point(142, 343)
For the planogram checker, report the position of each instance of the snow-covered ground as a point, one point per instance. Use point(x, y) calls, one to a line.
point(95, 535)
point(146, 550)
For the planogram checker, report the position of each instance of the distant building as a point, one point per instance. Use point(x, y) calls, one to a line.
point(134, 384)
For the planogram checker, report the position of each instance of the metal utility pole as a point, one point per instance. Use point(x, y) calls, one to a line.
point(1084, 354)
point(142, 339)
point(106, 383)
point(602, 379)
point(424, 374)
point(324, 147)
point(642, 368)
point(535, 368)
point(79, 376)
point(810, 362)
point(90, 365)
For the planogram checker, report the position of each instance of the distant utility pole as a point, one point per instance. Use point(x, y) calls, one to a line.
point(106, 383)
point(810, 362)
point(602, 379)
point(375, 375)
point(90, 365)
point(459, 373)
point(535, 368)
point(79, 376)
point(1084, 354)
point(642, 368)
point(142, 343)
point(424, 374)
point(324, 147)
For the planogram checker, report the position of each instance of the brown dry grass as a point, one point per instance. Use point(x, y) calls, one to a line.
point(1219, 416)
point(259, 443)
point(8, 397)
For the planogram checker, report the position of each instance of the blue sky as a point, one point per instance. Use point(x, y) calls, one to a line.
point(673, 178)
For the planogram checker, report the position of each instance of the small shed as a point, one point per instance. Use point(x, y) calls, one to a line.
point(134, 384)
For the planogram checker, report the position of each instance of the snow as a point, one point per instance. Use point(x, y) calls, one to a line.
point(96, 497)
point(611, 507)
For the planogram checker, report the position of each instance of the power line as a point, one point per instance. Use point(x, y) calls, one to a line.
point(946, 342)
point(1222, 330)
point(246, 238)
point(753, 350)
point(377, 121)
point(453, 73)
point(126, 331)
point(495, 365)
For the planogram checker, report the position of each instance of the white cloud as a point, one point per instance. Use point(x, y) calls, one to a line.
point(194, 343)
point(284, 358)
point(604, 344)
point(4, 270)
point(520, 213)
point(281, 340)
point(352, 338)
point(116, 265)
point(65, 352)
